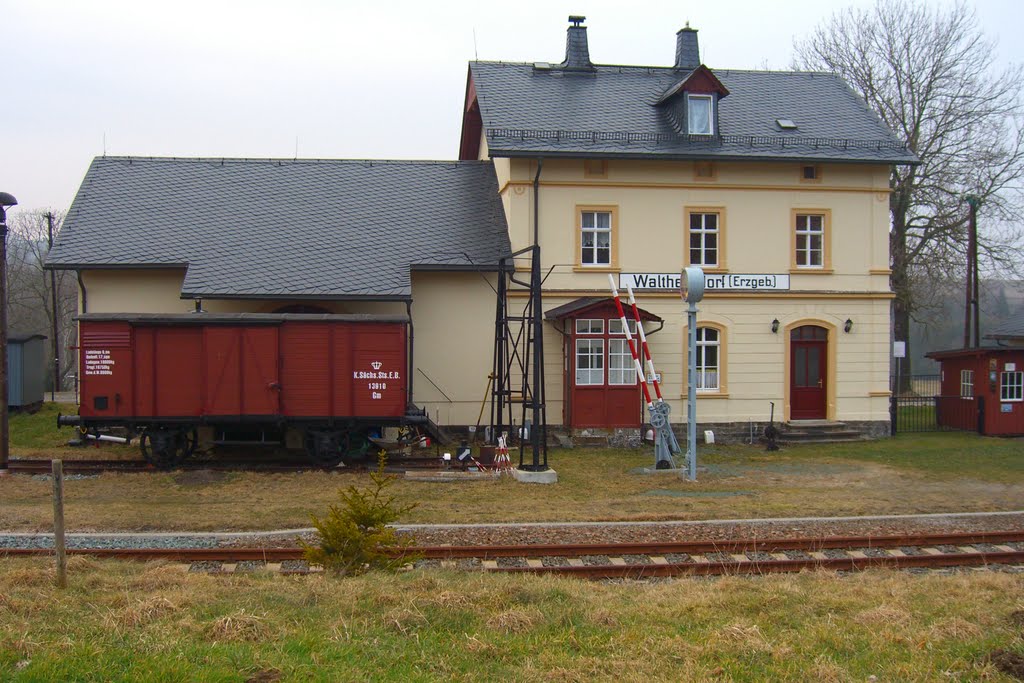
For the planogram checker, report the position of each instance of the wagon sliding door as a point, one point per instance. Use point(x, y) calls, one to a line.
point(241, 374)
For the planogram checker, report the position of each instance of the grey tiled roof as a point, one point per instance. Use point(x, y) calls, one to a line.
point(282, 228)
point(612, 112)
point(1012, 329)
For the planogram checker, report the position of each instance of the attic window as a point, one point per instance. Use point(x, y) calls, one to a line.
point(810, 173)
point(699, 119)
point(785, 124)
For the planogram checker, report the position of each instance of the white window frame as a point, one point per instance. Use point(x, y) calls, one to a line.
point(703, 344)
point(596, 233)
point(690, 100)
point(590, 326)
point(594, 351)
point(615, 326)
point(1012, 390)
point(804, 256)
point(967, 384)
point(621, 369)
point(704, 232)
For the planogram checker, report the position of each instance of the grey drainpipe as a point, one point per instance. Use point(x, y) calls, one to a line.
point(536, 201)
point(85, 298)
point(408, 310)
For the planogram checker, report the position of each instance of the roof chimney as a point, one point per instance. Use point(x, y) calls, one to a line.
point(687, 50)
point(577, 53)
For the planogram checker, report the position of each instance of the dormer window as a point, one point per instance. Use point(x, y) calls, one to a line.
point(699, 115)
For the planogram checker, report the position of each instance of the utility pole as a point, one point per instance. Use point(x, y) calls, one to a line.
point(972, 327)
point(53, 307)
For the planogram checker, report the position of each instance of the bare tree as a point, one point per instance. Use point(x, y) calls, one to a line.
point(928, 73)
point(29, 299)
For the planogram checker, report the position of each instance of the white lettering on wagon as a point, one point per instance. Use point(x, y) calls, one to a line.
point(376, 388)
point(98, 362)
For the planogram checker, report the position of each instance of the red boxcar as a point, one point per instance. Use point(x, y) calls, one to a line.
point(334, 376)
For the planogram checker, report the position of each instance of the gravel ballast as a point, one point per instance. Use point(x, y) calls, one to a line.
point(560, 533)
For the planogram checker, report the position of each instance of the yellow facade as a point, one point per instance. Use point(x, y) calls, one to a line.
point(649, 202)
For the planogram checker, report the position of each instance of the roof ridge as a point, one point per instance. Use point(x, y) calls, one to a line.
point(670, 69)
point(281, 160)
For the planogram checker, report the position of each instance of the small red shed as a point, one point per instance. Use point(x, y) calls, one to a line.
point(992, 375)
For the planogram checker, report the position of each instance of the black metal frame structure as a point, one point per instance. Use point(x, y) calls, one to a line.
point(519, 363)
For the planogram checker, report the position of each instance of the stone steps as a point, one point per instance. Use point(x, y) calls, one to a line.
point(817, 432)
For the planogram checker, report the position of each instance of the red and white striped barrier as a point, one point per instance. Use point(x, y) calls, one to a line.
point(632, 347)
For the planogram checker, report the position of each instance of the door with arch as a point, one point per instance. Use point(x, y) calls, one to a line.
point(808, 373)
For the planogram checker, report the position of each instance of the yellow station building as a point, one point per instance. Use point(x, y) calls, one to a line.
point(775, 183)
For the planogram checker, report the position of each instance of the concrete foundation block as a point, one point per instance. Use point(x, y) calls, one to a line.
point(526, 477)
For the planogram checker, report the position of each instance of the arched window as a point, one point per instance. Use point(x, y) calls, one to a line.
point(710, 359)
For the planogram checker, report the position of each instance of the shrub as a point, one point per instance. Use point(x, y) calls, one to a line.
point(355, 537)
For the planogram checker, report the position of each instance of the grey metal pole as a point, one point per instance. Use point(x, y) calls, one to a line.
point(691, 392)
point(53, 305)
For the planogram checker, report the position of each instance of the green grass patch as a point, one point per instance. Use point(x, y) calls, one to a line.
point(940, 454)
point(128, 622)
point(38, 430)
point(912, 473)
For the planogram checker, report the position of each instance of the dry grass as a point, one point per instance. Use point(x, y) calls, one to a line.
point(430, 626)
point(933, 473)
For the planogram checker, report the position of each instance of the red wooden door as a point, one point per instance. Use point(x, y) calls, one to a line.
point(242, 376)
point(605, 391)
point(808, 369)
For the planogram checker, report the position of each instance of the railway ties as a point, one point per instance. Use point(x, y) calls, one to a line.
point(639, 560)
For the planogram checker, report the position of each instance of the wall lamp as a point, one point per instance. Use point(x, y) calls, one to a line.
point(848, 325)
point(775, 326)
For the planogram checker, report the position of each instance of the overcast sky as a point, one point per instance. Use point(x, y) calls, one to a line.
point(216, 78)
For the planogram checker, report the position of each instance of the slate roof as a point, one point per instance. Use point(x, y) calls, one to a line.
point(611, 112)
point(1012, 329)
point(251, 228)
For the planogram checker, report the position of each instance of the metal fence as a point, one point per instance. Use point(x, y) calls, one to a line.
point(917, 405)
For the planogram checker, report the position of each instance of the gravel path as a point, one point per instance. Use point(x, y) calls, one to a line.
point(513, 534)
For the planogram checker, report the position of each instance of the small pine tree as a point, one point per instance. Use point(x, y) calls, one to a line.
point(355, 537)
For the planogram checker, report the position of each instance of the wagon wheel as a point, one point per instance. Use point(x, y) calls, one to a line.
point(166, 447)
point(326, 447)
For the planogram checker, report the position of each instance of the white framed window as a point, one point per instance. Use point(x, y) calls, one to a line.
point(810, 240)
point(621, 370)
point(699, 118)
point(967, 384)
point(708, 359)
point(615, 326)
point(595, 238)
point(1011, 386)
point(704, 239)
point(589, 362)
point(590, 326)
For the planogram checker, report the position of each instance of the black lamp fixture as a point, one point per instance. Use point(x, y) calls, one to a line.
point(6, 200)
point(847, 326)
point(775, 326)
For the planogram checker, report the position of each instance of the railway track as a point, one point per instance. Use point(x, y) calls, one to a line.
point(637, 560)
point(84, 466)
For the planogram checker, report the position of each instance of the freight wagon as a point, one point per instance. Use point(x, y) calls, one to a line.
point(331, 378)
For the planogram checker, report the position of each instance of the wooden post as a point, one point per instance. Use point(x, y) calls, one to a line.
point(57, 467)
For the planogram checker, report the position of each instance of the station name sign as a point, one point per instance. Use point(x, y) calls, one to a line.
point(713, 282)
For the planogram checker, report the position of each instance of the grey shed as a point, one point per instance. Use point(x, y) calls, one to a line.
point(26, 368)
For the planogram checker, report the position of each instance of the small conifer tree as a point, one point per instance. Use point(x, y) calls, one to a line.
point(355, 537)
